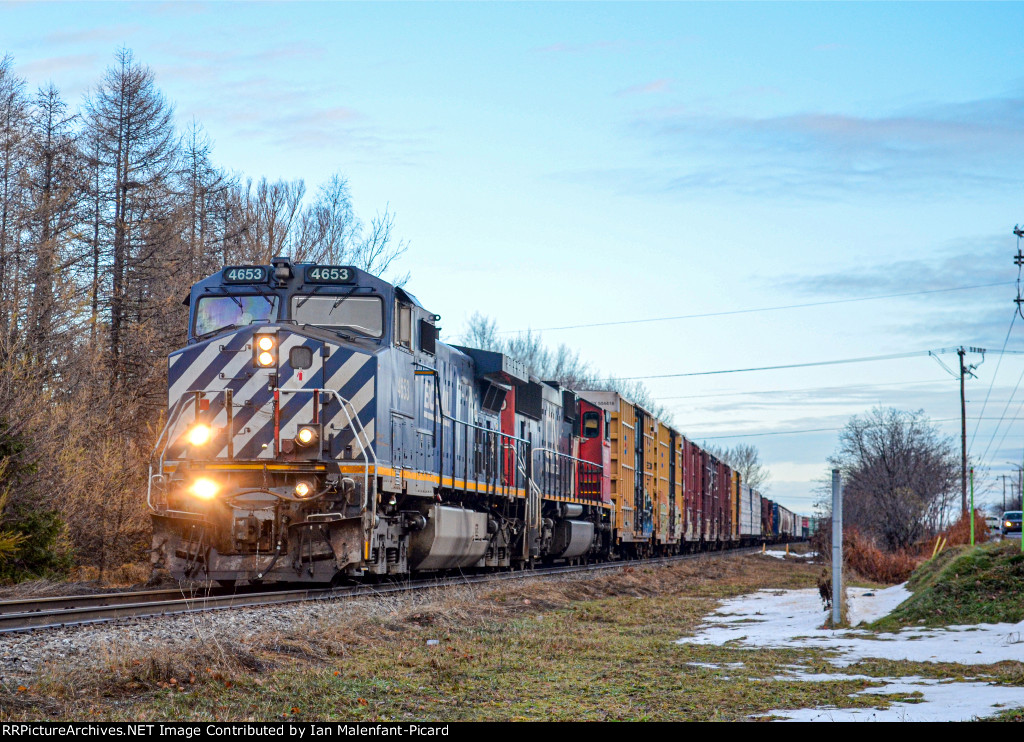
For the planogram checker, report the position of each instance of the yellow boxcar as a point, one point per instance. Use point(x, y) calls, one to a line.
point(634, 469)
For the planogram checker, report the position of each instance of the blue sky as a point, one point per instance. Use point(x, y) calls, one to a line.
point(559, 164)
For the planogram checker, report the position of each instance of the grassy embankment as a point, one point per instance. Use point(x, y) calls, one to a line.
point(591, 649)
point(964, 586)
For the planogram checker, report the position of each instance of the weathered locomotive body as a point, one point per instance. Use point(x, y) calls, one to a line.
point(318, 428)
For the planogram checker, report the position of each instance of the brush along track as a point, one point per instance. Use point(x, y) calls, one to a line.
point(57, 612)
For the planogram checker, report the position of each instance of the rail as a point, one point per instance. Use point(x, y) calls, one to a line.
point(63, 611)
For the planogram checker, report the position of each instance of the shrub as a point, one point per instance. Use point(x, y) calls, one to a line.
point(864, 557)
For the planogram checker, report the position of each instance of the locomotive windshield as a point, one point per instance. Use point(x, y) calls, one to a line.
point(214, 313)
point(364, 314)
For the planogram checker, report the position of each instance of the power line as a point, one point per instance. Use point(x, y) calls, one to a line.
point(806, 430)
point(1002, 416)
point(1013, 318)
point(801, 389)
point(758, 309)
point(809, 364)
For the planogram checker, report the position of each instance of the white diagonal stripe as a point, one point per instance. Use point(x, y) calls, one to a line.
point(188, 378)
point(361, 398)
point(348, 369)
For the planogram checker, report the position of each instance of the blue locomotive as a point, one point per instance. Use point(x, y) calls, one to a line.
point(318, 428)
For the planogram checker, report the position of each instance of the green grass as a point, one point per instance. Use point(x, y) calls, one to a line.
point(964, 586)
point(603, 649)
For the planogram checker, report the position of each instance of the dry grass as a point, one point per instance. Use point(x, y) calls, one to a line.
point(958, 534)
point(870, 562)
point(83, 581)
point(491, 640)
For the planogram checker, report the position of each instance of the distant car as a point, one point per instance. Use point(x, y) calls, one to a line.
point(993, 523)
point(1011, 522)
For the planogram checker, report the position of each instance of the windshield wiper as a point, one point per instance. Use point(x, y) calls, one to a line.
point(228, 294)
point(266, 295)
point(341, 299)
point(225, 328)
point(309, 296)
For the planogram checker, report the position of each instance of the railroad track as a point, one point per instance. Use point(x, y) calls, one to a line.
point(77, 610)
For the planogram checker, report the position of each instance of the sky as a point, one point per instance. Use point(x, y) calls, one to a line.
point(565, 164)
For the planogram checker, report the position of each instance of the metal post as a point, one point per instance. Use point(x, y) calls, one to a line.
point(972, 506)
point(963, 434)
point(837, 547)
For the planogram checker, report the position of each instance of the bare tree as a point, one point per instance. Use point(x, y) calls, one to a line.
point(745, 459)
point(14, 121)
point(897, 468)
point(562, 363)
point(133, 126)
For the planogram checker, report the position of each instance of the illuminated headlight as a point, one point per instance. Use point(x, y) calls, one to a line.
point(265, 343)
point(199, 434)
point(265, 358)
point(1007, 524)
point(204, 489)
point(306, 436)
point(303, 489)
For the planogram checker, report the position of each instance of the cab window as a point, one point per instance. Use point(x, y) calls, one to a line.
point(403, 326)
point(215, 313)
point(364, 314)
point(591, 424)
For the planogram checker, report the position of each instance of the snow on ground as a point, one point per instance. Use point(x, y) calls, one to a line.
point(794, 618)
point(865, 606)
point(782, 554)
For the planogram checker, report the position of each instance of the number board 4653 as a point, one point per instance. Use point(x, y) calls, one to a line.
point(330, 274)
point(245, 274)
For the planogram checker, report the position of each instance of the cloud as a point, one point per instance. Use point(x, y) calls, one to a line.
point(955, 146)
point(977, 316)
point(562, 47)
point(92, 35)
point(611, 45)
point(51, 66)
point(656, 86)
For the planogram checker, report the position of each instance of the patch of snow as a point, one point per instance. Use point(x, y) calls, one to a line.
point(782, 554)
point(712, 666)
point(943, 701)
point(865, 606)
point(795, 618)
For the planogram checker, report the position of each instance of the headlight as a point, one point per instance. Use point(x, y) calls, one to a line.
point(204, 488)
point(265, 350)
point(199, 434)
point(303, 489)
point(306, 436)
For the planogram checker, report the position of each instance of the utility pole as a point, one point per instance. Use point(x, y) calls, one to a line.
point(1004, 493)
point(963, 433)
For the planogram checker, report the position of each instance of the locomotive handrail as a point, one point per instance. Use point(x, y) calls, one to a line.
point(589, 468)
point(366, 445)
point(172, 416)
point(493, 478)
